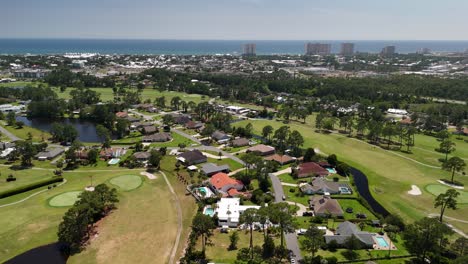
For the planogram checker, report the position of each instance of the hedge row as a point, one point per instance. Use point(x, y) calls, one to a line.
point(371, 259)
point(29, 187)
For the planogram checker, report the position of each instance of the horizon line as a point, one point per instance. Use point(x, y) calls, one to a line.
point(207, 39)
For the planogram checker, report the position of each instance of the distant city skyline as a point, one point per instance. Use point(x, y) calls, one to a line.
point(236, 19)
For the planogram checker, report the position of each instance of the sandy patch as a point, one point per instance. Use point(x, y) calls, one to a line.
point(414, 190)
point(451, 185)
point(149, 175)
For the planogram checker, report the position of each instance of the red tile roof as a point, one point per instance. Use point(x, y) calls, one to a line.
point(121, 114)
point(311, 168)
point(220, 179)
point(233, 192)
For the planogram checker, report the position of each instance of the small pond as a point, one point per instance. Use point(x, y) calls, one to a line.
point(86, 129)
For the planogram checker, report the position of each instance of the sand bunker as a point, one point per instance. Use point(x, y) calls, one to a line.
point(414, 190)
point(149, 175)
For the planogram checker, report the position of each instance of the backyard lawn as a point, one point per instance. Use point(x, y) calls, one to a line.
point(37, 135)
point(219, 253)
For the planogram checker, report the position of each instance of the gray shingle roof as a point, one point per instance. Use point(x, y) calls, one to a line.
point(210, 168)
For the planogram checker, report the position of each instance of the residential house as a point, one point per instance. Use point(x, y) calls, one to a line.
point(229, 210)
point(81, 154)
point(147, 130)
point(262, 150)
point(347, 229)
point(142, 156)
point(192, 157)
point(147, 107)
point(240, 142)
point(224, 184)
point(309, 169)
point(49, 154)
point(194, 125)
point(158, 137)
point(121, 114)
point(109, 153)
point(325, 206)
point(281, 159)
point(320, 186)
point(6, 152)
point(181, 119)
point(210, 168)
point(6, 145)
point(220, 137)
point(132, 119)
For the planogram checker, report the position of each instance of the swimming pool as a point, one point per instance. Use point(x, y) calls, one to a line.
point(381, 241)
point(205, 192)
point(113, 161)
point(331, 170)
point(208, 211)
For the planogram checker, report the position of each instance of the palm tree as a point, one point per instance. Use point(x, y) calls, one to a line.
point(249, 217)
point(282, 215)
point(267, 131)
point(454, 164)
point(191, 105)
point(202, 225)
point(446, 200)
point(175, 102)
point(447, 146)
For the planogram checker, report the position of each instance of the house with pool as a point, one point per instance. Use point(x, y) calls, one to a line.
point(226, 185)
point(229, 210)
point(368, 240)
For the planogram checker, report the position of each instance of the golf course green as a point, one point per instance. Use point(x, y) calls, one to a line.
point(437, 189)
point(64, 199)
point(127, 182)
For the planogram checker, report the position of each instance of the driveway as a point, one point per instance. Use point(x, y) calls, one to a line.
point(291, 238)
point(8, 134)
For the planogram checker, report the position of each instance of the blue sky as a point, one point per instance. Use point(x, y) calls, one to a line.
point(236, 19)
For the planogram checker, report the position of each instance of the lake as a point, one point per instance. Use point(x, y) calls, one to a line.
point(86, 129)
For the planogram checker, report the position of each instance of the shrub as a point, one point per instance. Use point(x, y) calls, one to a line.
point(335, 179)
point(29, 187)
point(333, 246)
point(10, 178)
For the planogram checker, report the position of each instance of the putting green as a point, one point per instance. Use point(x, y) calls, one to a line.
point(437, 189)
point(126, 182)
point(64, 199)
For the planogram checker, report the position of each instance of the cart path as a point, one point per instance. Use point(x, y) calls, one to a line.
point(179, 219)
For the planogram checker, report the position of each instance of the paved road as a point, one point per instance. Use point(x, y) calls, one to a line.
point(8, 134)
point(291, 238)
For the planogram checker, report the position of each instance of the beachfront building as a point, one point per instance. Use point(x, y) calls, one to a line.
point(347, 49)
point(249, 49)
point(317, 49)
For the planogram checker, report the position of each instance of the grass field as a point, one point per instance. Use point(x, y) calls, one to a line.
point(148, 93)
point(437, 189)
point(357, 208)
point(23, 177)
point(390, 176)
point(121, 239)
point(37, 135)
point(64, 199)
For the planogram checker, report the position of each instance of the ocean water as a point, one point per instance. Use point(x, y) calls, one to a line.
point(200, 47)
